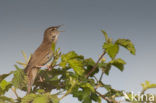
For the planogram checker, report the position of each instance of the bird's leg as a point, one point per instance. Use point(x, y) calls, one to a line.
point(41, 79)
point(51, 67)
point(31, 79)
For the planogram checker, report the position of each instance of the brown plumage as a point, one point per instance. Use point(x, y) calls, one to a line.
point(42, 55)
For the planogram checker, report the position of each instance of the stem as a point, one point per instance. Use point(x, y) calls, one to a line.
point(68, 92)
point(143, 91)
point(106, 98)
point(93, 69)
point(64, 95)
point(99, 81)
point(96, 79)
point(14, 91)
point(101, 76)
point(58, 93)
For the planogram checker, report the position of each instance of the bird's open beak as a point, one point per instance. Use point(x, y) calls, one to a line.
point(57, 27)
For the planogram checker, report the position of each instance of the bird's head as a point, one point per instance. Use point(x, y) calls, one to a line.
point(51, 34)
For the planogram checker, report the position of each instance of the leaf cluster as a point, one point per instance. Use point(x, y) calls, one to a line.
point(70, 74)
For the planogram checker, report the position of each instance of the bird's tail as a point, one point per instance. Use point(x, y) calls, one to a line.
point(32, 74)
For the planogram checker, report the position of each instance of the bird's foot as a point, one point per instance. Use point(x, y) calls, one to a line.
point(50, 67)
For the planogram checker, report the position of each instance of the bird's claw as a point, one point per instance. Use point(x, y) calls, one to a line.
point(50, 68)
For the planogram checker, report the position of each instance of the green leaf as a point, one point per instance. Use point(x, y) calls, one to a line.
point(87, 100)
point(119, 63)
point(41, 99)
point(105, 34)
point(77, 65)
point(106, 86)
point(89, 64)
point(89, 61)
point(85, 93)
point(4, 86)
point(88, 85)
point(19, 79)
point(24, 64)
point(25, 56)
point(4, 99)
point(77, 93)
point(28, 98)
point(68, 56)
point(110, 91)
point(105, 67)
point(127, 44)
point(72, 60)
point(148, 85)
point(111, 49)
point(63, 64)
point(54, 99)
point(21, 63)
point(82, 95)
point(3, 76)
point(95, 97)
point(86, 96)
point(41, 91)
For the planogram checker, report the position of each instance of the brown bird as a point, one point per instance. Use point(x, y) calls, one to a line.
point(42, 55)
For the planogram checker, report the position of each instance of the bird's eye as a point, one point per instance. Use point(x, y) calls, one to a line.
point(53, 29)
point(53, 37)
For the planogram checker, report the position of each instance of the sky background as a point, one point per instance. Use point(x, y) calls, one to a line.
point(22, 24)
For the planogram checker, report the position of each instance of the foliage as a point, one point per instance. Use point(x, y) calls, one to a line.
point(71, 74)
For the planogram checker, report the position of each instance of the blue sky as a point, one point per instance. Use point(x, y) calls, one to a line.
point(22, 24)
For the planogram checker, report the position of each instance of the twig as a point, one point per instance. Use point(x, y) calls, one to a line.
point(93, 69)
point(105, 98)
point(68, 92)
point(55, 65)
point(99, 81)
point(64, 95)
point(96, 79)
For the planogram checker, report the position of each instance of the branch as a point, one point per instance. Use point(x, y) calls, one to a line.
point(98, 81)
point(64, 95)
point(93, 69)
point(68, 92)
point(105, 98)
point(101, 76)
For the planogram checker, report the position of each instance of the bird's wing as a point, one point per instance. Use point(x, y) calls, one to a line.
point(39, 58)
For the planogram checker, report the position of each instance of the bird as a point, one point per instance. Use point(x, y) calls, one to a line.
point(42, 55)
